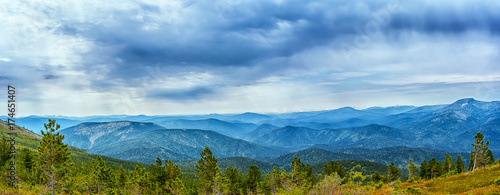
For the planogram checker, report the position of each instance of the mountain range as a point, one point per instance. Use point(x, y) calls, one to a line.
point(449, 127)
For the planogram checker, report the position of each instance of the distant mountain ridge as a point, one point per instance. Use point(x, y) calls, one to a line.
point(449, 127)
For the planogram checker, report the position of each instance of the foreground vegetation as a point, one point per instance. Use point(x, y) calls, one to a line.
point(47, 166)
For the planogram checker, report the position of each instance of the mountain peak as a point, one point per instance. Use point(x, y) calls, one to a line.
point(466, 100)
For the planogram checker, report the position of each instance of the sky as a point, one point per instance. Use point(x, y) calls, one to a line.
point(81, 58)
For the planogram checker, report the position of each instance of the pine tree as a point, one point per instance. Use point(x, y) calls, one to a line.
point(234, 179)
point(334, 167)
point(412, 169)
point(423, 170)
point(103, 175)
point(27, 159)
point(460, 165)
point(376, 177)
point(448, 164)
point(252, 179)
point(479, 152)
point(5, 151)
point(121, 178)
point(392, 173)
point(53, 154)
point(490, 158)
point(138, 178)
point(274, 181)
point(206, 170)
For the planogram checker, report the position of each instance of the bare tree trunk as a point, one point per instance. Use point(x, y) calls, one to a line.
point(475, 160)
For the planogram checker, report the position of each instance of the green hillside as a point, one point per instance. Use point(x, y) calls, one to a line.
point(27, 139)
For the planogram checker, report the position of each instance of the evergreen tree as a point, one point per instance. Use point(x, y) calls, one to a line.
point(490, 158)
point(423, 170)
point(206, 170)
point(392, 173)
point(448, 164)
point(252, 179)
point(234, 179)
point(334, 167)
point(274, 181)
point(121, 178)
point(53, 154)
point(460, 165)
point(376, 177)
point(412, 169)
point(479, 152)
point(4, 152)
point(301, 175)
point(138, 178)
point(434, 168)
point(104, 177)
point(27, 159)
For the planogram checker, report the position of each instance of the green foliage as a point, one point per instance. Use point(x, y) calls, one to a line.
point(392, 173)
point(206, 170)
point(4, 151)
point(234, 180)
point(412, 169)
point(497, 181)
point(334, 167)
point(53, 154)
point(479, 156)
point(490, 159)
point(330, 184)
point(448, 165)
point(413, 190)
point(460, 165)
point(252, 179)
point(376, 177)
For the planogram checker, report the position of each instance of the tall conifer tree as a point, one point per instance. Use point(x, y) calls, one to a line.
point(53, 154)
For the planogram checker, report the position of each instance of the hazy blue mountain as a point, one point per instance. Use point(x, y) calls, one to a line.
point(444, 125)
point(392, 110)
point(261, 130)
point(222, 127)
point(292, 137)
point(490, 130)
point(338, 115)
point(370, 136)
point(142, 142)
point(248, 117)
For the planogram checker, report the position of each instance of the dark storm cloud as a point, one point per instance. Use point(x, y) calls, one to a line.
point(440, 17)
point(215, 36)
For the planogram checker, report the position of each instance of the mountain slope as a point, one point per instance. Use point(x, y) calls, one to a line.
point(143, 142)
point(99, 134)
point(27, 139)
point(370, 136)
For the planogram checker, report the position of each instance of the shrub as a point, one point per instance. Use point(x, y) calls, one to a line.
point(413, 190)
point(497, 181)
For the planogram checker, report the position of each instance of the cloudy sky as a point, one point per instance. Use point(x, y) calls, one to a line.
point(78, 58)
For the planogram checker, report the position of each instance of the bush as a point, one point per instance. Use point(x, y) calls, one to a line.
point(497, 181)
point(378, 185)
point(413, 190)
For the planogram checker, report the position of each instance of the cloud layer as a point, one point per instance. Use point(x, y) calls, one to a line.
point(185, 57)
